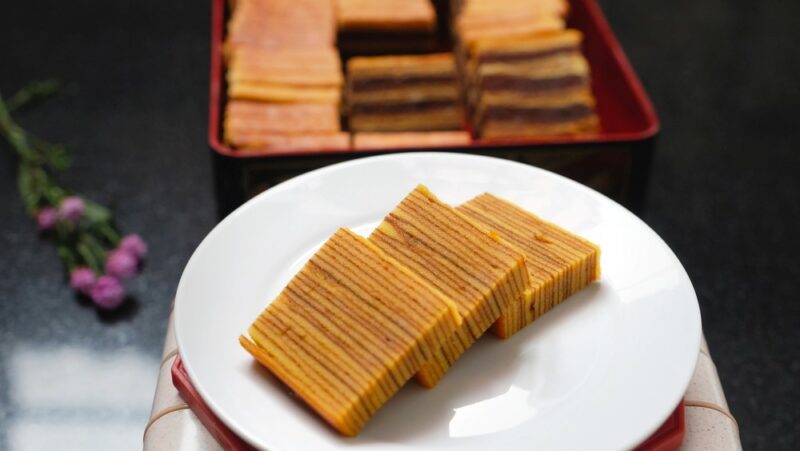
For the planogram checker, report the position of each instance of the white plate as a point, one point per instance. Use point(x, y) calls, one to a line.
point(602, 371)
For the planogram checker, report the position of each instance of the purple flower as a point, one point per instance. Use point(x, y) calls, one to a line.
point(107, 293)
point(71, 208)
point(46, 219)
point(134, 245)
point(121, 264)
point(82, 279)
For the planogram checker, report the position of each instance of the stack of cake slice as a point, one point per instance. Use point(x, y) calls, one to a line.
point(285, 75)
point(475, 20)
point(524, 72)
point(339, 338)
point(385, 26)
point(559, 263)
point(281, 53)
point(365, 315)
point(283, 126)
point(481, 273)
point(403, 93)
point(534, 86)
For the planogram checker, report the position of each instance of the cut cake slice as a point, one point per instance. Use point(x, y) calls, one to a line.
point(559, 263)
point(403, 93)
point(294, 75)
point(410, 78)
point(379, 140)
point(317, 142)
point(557, 73)
point(551, 114)
point(386, 15)
point(251, 124)
point(281, 24)
point(481, 273)
point(350, 329)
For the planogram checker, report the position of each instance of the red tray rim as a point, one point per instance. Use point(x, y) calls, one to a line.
point(606, 35)
point(668, 437)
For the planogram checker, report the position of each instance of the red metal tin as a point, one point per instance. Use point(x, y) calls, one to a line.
point(615, 161)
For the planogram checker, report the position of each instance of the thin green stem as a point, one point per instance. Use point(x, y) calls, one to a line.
point(89, 258)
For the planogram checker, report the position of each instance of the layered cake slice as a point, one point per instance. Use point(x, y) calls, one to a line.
point(253, 124)
point(281, 24)
point(316, 142)
point(403, 93)
point(558, 73)
point(370, 27)
point(559, 262)
point(478, 20)
point(350, 329)
point(480, 272)
point(291, 75)
point(470, 34)
point(525, 49)
point(385, 15)
point(534, 86)
point(378, 140)
point(541, 115)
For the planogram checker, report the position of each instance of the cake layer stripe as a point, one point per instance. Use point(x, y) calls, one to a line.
point(339, 336)
point(530, 85)
point(559, 262)
point(401, 107)
point(480, 272)
point(511, 57)
point(559, 114)
point(379, 83)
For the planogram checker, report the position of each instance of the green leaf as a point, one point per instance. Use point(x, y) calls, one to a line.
point(67, 257)
point(96, 213)
point(35, 90)
point(89, 258)
point(53, 155)
point(110, 233)
point(28, 189)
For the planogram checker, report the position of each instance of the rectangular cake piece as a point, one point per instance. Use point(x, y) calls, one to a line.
point(400, 117)
point(289, 75)
point(469, 34)
point(402, 77)
point(525, 49)
point(385, 15)
point(509, 9)
point(548, 75)
point(559, 262)
point(533, 86)
point(403, 93)
point(350, 329)
point(526, 116)
point(480, 272)
point(250, 124)
point(317, 142)
point(281, 24)
point(380, 140)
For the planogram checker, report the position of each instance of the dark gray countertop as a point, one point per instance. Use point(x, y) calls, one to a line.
point(724, 194)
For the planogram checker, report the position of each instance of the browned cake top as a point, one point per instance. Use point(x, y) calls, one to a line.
point(386, 15)
point(245, 120)
point(290, 66)
point(405, 64)
point(502, 49)
point(283, 24)
point(549, 248)
point(447, 249)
